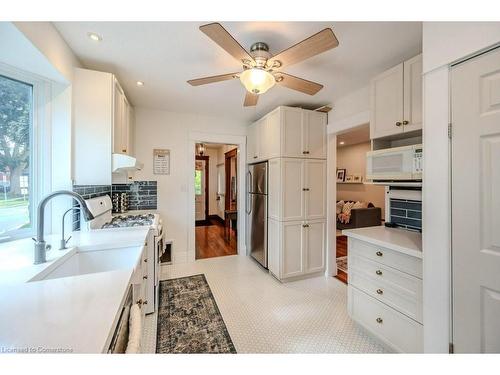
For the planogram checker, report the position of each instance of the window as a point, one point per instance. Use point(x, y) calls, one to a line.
point(16, 157)
point(197, 182)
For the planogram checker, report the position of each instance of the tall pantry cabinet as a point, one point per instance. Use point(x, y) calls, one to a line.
point(294, 143)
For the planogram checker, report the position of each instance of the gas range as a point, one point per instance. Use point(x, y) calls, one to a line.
point(122, 221)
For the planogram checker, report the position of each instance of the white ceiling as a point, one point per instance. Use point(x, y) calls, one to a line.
point(166, 54)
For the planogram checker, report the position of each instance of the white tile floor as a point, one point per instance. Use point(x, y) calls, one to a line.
point(263, 315)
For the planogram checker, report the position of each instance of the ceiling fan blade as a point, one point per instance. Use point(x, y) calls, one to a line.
point(296, 83)
point(250, 99)
point(219, 35)
point(312, 46)
point(205, 80)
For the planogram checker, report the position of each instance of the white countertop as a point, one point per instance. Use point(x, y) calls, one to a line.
point(401, 240)
point(75, 314)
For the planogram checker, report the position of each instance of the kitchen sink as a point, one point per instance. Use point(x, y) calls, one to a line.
point(83, 261)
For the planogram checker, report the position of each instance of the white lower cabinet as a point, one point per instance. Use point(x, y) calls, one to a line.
point(385, 294)
point(296, 248)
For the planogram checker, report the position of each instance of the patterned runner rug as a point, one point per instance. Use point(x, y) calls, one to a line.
point(189, 320)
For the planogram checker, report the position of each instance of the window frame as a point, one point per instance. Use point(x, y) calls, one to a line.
point(40, 156)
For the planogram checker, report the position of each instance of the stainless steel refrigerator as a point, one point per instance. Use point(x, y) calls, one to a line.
point(256, 209)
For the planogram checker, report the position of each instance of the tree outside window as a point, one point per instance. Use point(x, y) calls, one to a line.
point(16, 107)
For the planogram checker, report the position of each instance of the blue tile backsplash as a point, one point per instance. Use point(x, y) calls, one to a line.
point(406, 214)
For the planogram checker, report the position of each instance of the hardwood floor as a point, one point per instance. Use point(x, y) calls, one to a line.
point(212, 242)
point(342, 252)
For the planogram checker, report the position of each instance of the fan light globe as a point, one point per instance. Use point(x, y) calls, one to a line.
point(257, 81)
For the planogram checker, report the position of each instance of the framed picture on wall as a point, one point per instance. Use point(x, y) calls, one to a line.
point(341, 175)
point(349, 179)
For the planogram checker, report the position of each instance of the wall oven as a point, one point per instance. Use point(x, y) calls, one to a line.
point(395, 164)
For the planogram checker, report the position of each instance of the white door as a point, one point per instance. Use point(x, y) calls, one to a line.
point(315, 189)
point(476, 204)
point(292, 144)
point(292, 248)
point(315, 239)
point(413, 94)
point(199, 190)
point(386, 116)
point(315, 134)
point(292, 196)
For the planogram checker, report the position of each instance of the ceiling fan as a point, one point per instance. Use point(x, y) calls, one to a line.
point(261, 70)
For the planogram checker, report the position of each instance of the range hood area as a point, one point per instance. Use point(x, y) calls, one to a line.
point(123, 163)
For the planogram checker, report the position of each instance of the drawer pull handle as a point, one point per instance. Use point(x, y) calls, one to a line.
point(378, 272)
point(379, 320)
point(380, 291)
point(379, 253)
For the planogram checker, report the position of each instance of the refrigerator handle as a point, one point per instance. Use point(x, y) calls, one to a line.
point(248, 208)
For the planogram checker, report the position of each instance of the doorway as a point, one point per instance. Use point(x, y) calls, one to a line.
point(357, 204)
point(216, 200)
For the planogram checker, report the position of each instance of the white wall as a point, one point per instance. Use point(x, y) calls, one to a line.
point(162, 129)
point(353, 159)
point(350, 111)
point(443, 44)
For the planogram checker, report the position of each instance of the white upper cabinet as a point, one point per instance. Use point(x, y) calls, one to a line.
point(314, 127)
point(101, 126)
point(412, 94)
point(396, 100)
point(292, 133)
point(287, 132)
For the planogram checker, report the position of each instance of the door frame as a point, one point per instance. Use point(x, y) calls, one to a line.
point(227, 176)
point(240, 141)
point(207, 180)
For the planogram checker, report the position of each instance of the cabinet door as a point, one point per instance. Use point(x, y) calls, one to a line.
point(131, 131)
point(118, 119)
point(273, 247)
point(270, 136)
point(292, 249)
point(315, 240)
point(274, 188)
point(413, 94)
point(252, 143)
point(315, 134)
point(125, 127)
point(315, 189)
point(292, 196)
point(386, 108)
point(292, 132)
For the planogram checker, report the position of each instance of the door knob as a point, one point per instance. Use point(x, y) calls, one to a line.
point(398, 123)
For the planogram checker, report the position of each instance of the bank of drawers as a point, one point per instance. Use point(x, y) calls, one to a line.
point(385, 294)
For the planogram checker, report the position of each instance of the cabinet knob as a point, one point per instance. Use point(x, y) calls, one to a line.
point(398, 123)
point(305, 225)
point(405, 122)
point(255, 157)
point(145, 277)
point(145, 302)
point(124, 150)
point(146, 260)
point(379, 320)
point(305, 152)
point(378, 272)
point(305, 189)
point(380, 291)
point(379, 253)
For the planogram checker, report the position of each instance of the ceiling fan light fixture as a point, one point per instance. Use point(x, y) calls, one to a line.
point(257, 81)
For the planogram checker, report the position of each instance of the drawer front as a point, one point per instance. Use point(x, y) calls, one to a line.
point(395, 329)
point(409, 303)
point(391, 258)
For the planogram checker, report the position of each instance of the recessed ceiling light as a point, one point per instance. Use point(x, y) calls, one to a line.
point(140, 83)
point(95, 37)
point(341, 143)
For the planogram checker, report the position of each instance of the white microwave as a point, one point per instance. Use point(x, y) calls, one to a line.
point(395, 164)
